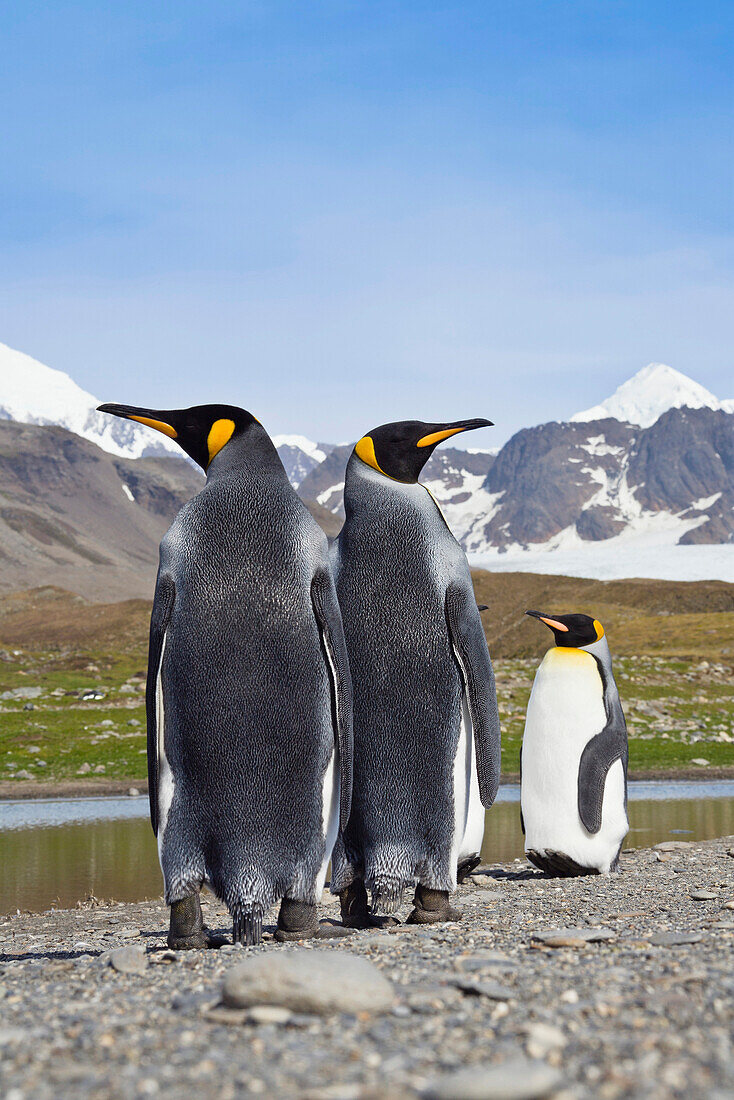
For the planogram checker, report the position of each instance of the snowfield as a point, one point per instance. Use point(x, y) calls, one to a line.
point(617, 559)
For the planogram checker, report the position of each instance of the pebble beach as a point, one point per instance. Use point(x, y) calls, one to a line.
point(565, 988)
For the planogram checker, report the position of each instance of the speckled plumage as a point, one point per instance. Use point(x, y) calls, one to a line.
point(411, 622)
point(252, 690)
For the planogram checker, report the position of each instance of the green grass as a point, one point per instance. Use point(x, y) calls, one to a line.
point(692, 705)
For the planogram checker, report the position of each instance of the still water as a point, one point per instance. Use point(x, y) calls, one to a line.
point(58, 852)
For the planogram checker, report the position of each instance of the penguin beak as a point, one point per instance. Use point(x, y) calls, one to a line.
point(452, 429)
point(552, 623)
point(152, 418)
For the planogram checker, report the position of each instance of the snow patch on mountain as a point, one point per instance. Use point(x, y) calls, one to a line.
point(299, 455)
point(648, 394)
point(33, 393)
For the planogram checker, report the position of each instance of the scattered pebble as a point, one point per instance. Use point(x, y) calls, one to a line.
point(475, 1008)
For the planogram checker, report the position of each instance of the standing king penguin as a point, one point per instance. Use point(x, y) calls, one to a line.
point(574, 754)
point(426, 727)
point(249, 695)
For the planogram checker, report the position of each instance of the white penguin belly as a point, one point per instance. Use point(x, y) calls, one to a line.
point(565, 711)
point(330, 799)
point(165, 775)
point(468, 808)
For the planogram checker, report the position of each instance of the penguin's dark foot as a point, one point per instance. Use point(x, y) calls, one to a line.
point(432, 907)
point(296, 921)
point(187, 931)
point(466, 867)
point(559, 865)
point(330, 930)
point(355, 910)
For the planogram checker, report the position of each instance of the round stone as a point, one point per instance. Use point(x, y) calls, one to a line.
point(520, 1079)
point(319, 982)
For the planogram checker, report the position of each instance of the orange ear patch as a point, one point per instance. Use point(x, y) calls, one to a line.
point(219, 434)
point(599, 630)
point(365, 450)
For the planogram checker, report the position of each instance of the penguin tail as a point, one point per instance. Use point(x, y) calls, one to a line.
point(387, 893)
point(247, 923)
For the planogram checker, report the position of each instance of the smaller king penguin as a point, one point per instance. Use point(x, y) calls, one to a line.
point(249, 693)
point(574, 754)
point(426, 726)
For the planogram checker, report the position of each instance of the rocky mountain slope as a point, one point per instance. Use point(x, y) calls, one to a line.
point(78, 517)
point(666, 473)
point(653, 466)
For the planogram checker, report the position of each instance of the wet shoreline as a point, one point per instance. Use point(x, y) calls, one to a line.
point(91, 788)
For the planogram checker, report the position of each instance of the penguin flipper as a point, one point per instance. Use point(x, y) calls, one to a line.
point(165, 595)
point(328, 617)
point(470, 647)
point(597, 758)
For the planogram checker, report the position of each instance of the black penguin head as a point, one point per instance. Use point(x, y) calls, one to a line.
point(401, 450)
point(201, 431)
point(571, 631)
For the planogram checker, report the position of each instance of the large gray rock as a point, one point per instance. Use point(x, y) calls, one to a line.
point(321, 982)
point(519, 1079)
point(590, 935)
point(675, 939)
point(129, 960)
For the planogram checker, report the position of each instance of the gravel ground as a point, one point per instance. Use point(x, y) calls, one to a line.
point(93, 1004)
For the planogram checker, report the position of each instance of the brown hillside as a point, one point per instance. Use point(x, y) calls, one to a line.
point(655, 617)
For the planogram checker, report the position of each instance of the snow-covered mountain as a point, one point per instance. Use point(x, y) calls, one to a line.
point(32, 393)
point(648, 470)
point(300, 455)
point(648, 394)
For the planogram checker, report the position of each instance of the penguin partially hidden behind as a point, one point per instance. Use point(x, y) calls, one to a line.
point(249, 695)
point(426, 726)
point(574, 754)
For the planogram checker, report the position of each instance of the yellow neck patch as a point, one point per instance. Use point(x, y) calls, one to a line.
point(436, 437)
point(159, 425)
point(219, 434)
point(365, 450)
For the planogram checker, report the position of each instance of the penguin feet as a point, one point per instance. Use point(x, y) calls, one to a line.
point(296, 921)
point(559, 865)
point(466, 867)
point(432, 907)
point(187, 930)
point(356, 912)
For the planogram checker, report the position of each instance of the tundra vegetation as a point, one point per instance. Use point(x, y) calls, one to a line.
point(72, 676)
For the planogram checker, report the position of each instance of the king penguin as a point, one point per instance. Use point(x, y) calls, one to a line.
point(426, 726)
point(574, 754)
point(248, 695)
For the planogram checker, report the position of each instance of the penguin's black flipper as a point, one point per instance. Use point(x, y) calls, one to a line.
point(597, 758)
point(470, 647)
point(165, 595)
point(328, 617)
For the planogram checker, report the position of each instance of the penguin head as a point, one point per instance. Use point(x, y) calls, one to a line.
point(572, 631)
point(202, 431)
point(401, 450)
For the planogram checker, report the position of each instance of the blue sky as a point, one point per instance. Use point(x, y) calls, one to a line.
point(341, 213)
